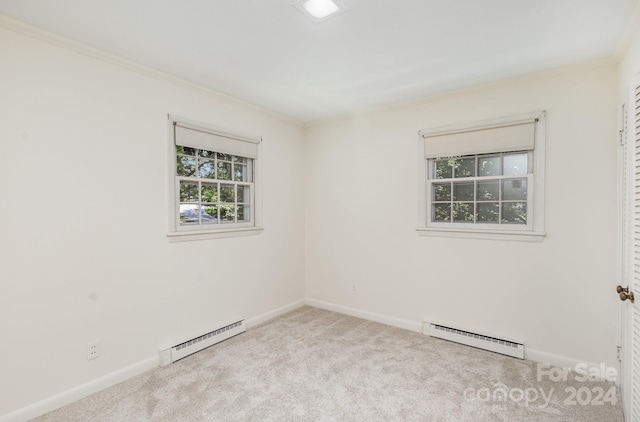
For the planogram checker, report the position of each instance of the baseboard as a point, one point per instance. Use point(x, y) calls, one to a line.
point(80, 392)
point(84, 390)
point(572, 364)
point(529, 354)
point(371, 316)
point(550, 358)
point(251, 322)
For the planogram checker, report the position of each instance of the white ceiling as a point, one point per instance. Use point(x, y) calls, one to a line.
point(379, 52)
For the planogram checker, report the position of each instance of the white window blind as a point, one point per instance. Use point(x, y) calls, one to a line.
point(512, 136)
point(191, 136)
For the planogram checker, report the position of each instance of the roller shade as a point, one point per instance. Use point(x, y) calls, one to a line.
point(518, 136)
point(193, 137)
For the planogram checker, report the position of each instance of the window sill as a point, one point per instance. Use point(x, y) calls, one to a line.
point(185, 236)
point(522, 236)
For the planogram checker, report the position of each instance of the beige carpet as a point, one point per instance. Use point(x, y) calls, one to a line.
point(315, 365)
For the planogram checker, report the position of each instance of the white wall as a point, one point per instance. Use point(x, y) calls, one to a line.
point(557, 296)
point(83, 220)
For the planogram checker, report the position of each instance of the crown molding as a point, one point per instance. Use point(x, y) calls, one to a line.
point(113, 59)
point(632, 29)
point(474, 89)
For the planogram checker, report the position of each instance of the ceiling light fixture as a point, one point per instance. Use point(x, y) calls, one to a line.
point(319, 10)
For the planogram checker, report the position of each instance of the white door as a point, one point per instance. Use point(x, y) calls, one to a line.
point(630, 332)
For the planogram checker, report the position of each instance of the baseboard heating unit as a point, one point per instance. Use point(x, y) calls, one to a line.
point(195, 344)
point(492, 344)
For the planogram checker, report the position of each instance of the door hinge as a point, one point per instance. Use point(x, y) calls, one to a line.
point(619, 353)
point(621, 137)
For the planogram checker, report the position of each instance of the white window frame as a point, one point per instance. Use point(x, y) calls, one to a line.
point(532, 231)
point(178, 232)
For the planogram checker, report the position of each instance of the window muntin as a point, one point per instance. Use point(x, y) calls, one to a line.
point(480, 190)
point(215, 189)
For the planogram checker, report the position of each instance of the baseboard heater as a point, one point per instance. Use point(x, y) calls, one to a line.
point(195, 344)
point(492, 344)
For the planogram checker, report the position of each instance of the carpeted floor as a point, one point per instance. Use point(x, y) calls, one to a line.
point(315, 365)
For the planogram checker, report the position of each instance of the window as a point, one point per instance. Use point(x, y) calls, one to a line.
point(482, 189)
point(484, 180)
point(213, 186)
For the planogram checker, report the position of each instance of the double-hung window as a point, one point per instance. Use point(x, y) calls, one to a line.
point(484, 179)
point(213, 180)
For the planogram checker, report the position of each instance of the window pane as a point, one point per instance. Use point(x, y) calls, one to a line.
point(227, 193)
point(488, 190)
point(206, 169)
point(237, 159)
point(514, 189)
point(441, 191)
point(514, 212)
point(515, 164)
point(185, 150)
point(227, 213)
point(209, 193)
point(189, 214)
point(186, 166)
point(488, 212)
point(226, 157)
point(463, 191)
point(465, 167)
point(188, 192)
point(210, 214)
point(224, 170)
point(244, 213)
point(244, 194)
point(240, 173)
point(205, 217)
point(489, 165)
point(444, 168)
point(463, 212)
point(442, 212)
point(206, 154)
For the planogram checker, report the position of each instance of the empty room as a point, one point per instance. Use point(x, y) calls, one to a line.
point(316, 210)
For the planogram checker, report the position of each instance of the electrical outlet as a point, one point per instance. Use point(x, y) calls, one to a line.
point(354, 291)
point(93, 350)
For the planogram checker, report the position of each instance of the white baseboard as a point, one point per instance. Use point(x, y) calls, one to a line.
point(77, 393)
point(259, 319)
point(529, 354)
point(576, 365)
point(84, 390)
point(80, 392)
point(550, 358)
point(371, 316)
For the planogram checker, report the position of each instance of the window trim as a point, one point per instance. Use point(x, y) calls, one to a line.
point(198, 232)
point(535, 228)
